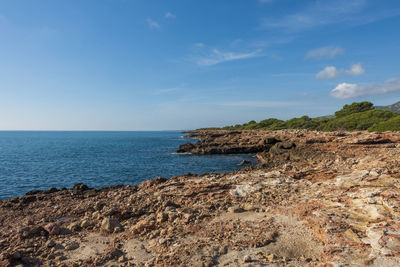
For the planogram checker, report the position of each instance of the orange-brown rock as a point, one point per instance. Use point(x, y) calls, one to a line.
point(315, 199)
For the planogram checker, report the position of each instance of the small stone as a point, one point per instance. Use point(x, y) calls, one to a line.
point(244, 162)
point(75, 227)
point(26, 260)
point(85, 224)
point(16, 255)
point(162, 217)
point(50, 243)
point(52, 228)
point(111, 211)
point(72, 246)
point(122, 259)
point(109, 224)
point(60, 258)
point(96, 215)
point(352, 236)
point(58, 247)
point(248, 207)
point(188, 217)
point(116, 253)
point(271, 257)
point(99, 206)
point(235, 209)
point(118, 229)
point(247, 258)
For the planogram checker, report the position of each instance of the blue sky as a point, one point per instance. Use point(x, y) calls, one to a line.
point(160, 65)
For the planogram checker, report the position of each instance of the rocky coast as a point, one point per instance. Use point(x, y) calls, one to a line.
point(314, 199)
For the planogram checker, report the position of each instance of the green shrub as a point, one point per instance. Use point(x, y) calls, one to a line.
point(359, 121)
point(357, 116)
point(392, 124)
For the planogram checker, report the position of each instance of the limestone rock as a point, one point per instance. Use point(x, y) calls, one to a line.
point(109, 224)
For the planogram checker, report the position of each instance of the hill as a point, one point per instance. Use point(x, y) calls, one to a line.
point(395, 107)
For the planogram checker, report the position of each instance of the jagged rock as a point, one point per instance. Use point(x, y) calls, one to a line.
point(72, 246)
point(326, 201)
point(162, 217)
point(50, 243)
point(30, 231)
point(185, 148)
point(75, 227)
point(52, 228)
point(16, 255)
point(235, 209)
point(110, 224)
point(85, 224)
point(79, 187)
point(247, 259)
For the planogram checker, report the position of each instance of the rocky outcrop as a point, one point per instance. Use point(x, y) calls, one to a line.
point(315, 199)
point(227, 142)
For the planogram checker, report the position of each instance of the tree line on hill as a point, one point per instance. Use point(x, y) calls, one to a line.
point(356, 116)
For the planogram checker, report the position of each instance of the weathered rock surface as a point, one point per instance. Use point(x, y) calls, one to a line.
point(315, 199)
point(227, 142)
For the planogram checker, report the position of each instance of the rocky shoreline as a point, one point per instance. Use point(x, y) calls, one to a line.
point(315, 199)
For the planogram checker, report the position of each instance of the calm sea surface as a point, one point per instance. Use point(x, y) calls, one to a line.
point(40, 160)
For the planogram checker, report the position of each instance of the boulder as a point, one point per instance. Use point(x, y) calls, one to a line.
point(79, 187)
point(52, 229)
point(110, 224)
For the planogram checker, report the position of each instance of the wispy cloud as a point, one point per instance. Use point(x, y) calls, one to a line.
point(198, 45)
point(325, 52)
point(169, 15)
point(328, 73)
point(322, 13)
point(356, 69)
point(331, 72)
point(153, 24)
point(165, 91)
point(217, 57)
point(351, 90)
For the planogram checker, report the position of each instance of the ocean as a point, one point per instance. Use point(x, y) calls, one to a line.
point(31, 160)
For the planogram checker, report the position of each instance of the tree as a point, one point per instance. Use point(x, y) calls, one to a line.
point(355, 107)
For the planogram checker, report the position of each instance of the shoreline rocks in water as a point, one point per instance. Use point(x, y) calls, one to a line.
point(227, 142)
point(315, 199)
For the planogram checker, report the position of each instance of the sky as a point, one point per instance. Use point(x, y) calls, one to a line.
point(174, 64)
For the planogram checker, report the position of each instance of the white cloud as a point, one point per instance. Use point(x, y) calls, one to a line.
point(217, 57)
point(356, 69)
point(169, 15)
point(348, 90)
point(325, 52)
point(153, 24)
point(330, 72)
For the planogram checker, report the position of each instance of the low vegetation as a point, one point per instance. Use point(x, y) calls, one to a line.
point(357, 116)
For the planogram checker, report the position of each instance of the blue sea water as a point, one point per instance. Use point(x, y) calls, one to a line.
point(41, 160)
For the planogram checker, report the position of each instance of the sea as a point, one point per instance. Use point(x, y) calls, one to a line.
point(39, 160)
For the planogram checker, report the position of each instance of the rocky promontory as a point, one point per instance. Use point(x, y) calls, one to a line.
point(315, 199)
